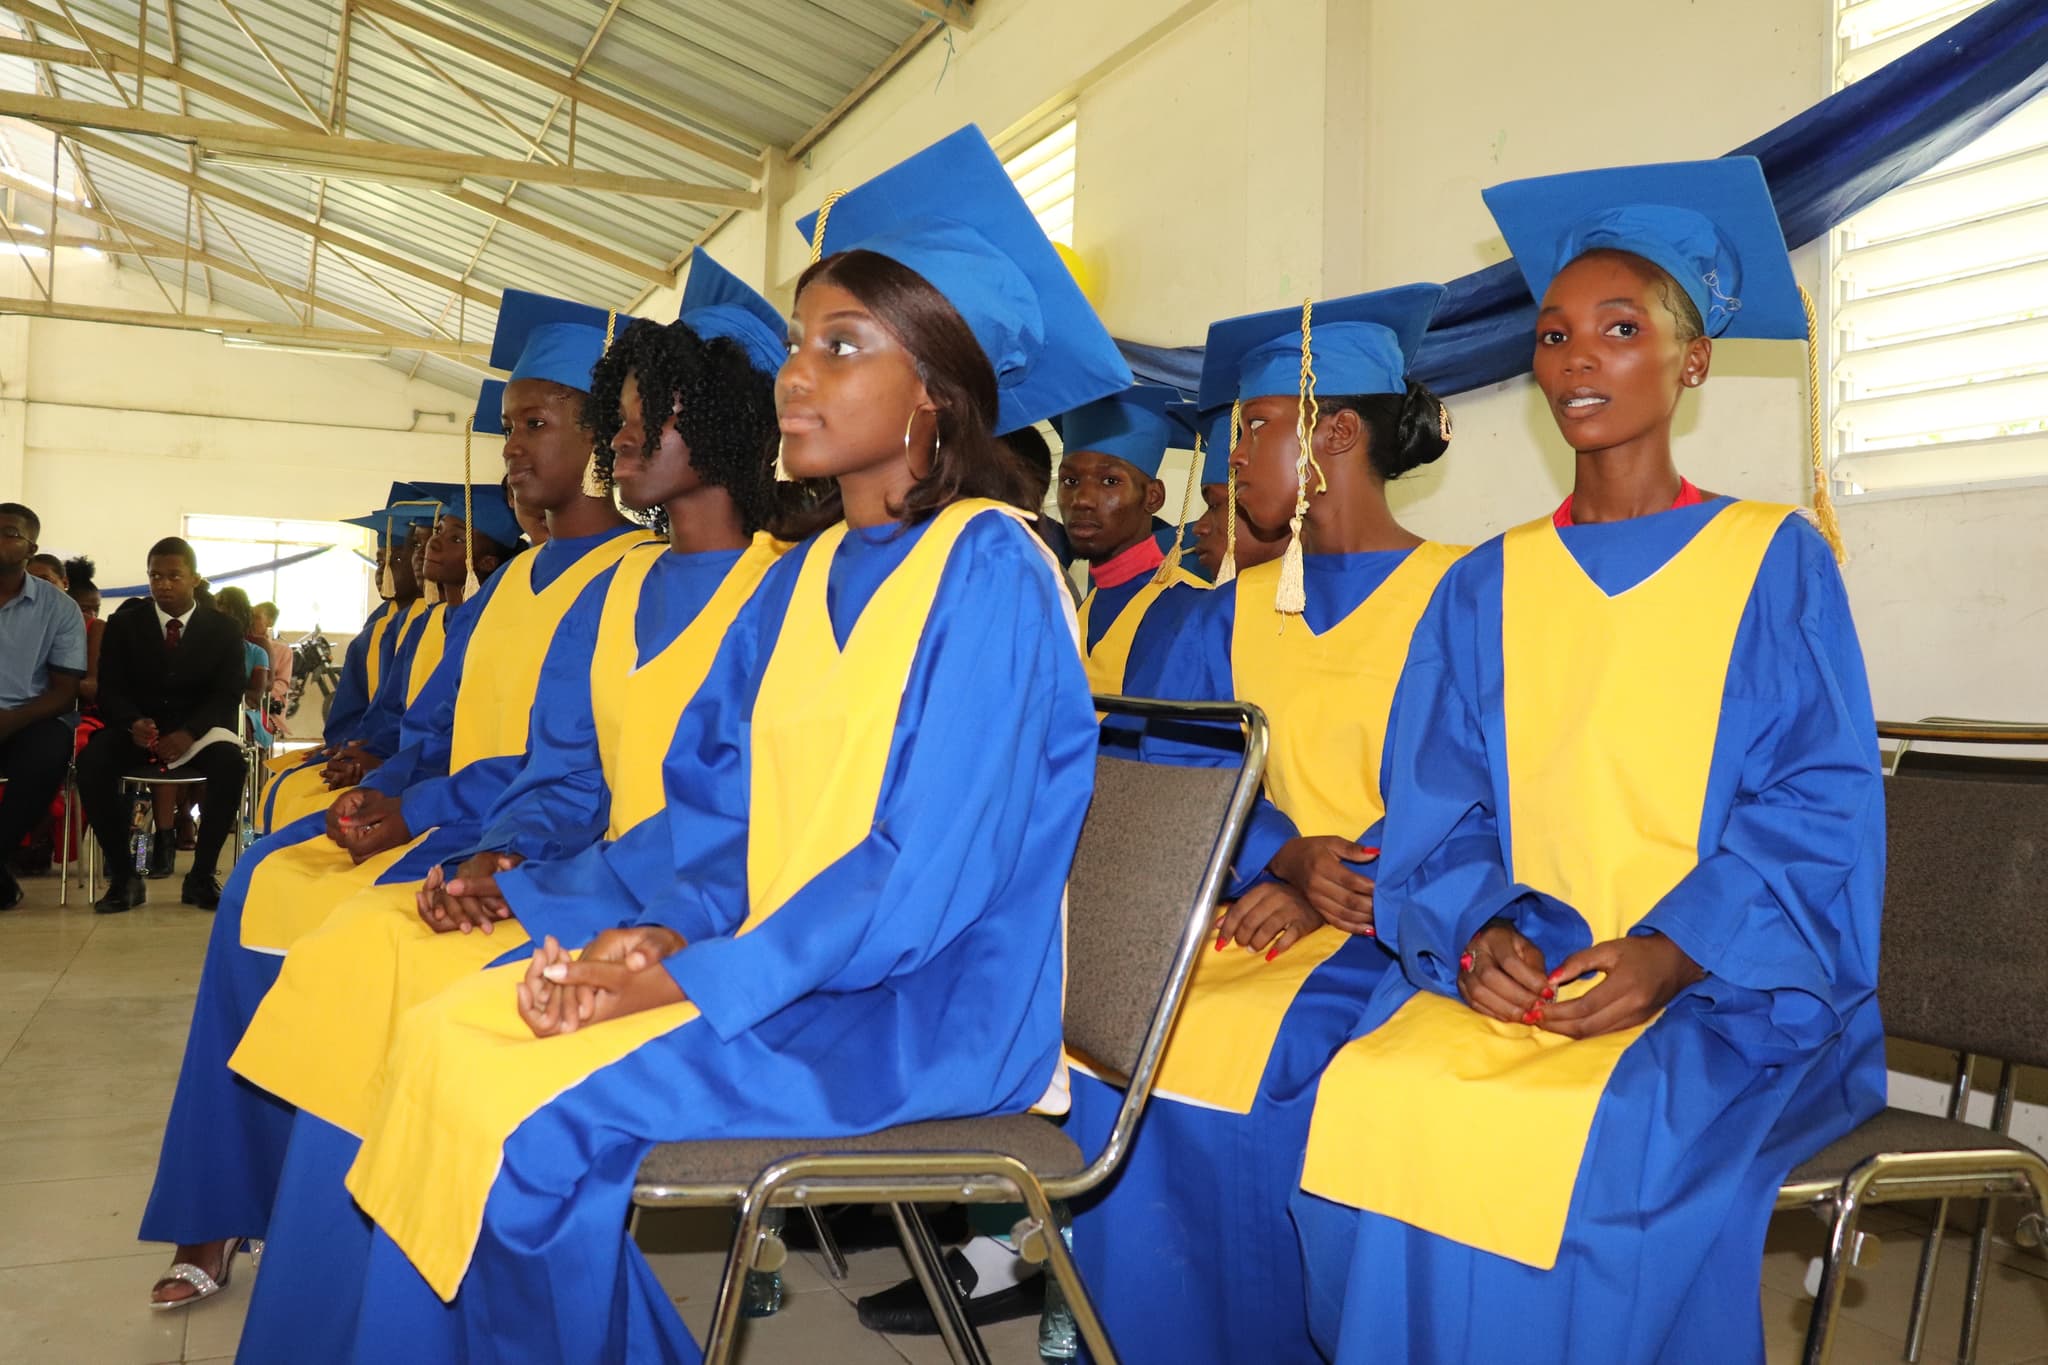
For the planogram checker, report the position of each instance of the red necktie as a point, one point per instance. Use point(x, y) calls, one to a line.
point(173, 628)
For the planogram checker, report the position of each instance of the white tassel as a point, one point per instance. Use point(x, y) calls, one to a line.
point(1291, 597)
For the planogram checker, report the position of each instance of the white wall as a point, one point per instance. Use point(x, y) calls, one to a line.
point(114, 433)
point(1240, 154)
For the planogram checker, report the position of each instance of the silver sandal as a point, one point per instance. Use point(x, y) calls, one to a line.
point(204, 1285)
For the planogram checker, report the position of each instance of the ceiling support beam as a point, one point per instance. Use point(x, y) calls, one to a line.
point(958, 13)
point(237, 327)
point(541, 227)
point(333, 238)
point(360, 158)
point(627, 111)
point(119, 55)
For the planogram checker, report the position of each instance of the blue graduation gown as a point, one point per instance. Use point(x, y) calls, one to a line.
point(550, 812)
point(352, 686)
point(224, 1142)
point(1776, 1053)
point(917, 977)
point(1189, 1251)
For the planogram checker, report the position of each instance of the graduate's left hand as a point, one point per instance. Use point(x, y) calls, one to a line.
point(372, 825)
point(1643, 972)
point(1270, 918)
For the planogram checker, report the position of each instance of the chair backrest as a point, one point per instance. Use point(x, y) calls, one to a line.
point(1964, 961)
point(1153, 860)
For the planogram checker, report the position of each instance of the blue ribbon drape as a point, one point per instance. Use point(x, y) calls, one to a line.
point(215, 580)
point(1823, 166)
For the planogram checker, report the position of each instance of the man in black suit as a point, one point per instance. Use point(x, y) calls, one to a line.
point(170, 672)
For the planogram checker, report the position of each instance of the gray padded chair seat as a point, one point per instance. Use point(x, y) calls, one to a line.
point(1038, 1143)
point(1900, 1130)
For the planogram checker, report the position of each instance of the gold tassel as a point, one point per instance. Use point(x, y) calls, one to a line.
point(1291, 597)
point(387, 581)
point(469, 583)
point(1227, 571)
point(430, 592)
point(782, 474)
point(595, 484)
point(1171, 564)
point(1823, 496)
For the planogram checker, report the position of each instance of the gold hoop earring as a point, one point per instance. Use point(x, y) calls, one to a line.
point(906, 432)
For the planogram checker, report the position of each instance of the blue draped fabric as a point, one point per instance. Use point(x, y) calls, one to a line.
point(142, 589)
point(1852, 148)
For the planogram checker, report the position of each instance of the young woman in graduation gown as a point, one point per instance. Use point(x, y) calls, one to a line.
point(1633, 855)
point(462, 743)
point(1196, 1222)
point(549, 846)
point(873, 801)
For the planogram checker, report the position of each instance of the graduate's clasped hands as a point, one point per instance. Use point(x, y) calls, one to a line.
point(1502, 975)
point(620, 973)
point(470, 899)
point(366, 822)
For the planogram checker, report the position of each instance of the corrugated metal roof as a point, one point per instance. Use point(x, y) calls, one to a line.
point(749, 76)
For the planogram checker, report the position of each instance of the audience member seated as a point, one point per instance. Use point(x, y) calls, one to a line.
point(42, 657)
point(265, 633)
point(234, 604)
point(171, 676)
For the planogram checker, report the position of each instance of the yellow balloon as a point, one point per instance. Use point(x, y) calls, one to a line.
point(1078, 268)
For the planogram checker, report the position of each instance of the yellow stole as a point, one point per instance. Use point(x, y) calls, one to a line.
point(302, 793)
point(426, 656)
point(297, 887)
point(373, 660)
point(1612, 704)
point(637, 706)
point(346, 984)
point(1327, 697)
point(1106, 663)
point(465, 1070)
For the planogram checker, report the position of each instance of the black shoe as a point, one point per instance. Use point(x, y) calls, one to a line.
point(10, 890)
point(163, 856)
point(902, 1310)
point(202, 890)
point(120, 897)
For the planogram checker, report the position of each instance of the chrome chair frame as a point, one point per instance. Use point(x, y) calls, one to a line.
point(907, 1178)
point(1978, 1174)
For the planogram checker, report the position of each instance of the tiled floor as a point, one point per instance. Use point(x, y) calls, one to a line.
point(92, 1022)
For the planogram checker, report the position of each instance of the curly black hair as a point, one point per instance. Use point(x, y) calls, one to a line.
point(724, 409)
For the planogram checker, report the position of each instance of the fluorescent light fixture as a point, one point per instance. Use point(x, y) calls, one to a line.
point(92, 253)
point(385, 171)
point(243, 343)
point(16, 249)
point(43, 186)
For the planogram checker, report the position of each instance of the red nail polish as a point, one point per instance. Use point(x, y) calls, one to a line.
point(1372, 853)
point(1371, 933)
point(1549, 993)
point(1465, 963)
point(1530, 1016)
point(1272, 952)
point(1221, 943)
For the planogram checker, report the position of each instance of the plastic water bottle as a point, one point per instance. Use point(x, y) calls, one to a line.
point(761, 1294)
point(1057, 1337)
point(139, 842)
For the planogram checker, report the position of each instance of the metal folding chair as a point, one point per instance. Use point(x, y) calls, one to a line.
point(1154, 858)
point(1964, 967)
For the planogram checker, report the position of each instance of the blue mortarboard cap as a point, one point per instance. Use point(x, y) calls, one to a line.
point(1131, 426)
point(1213, 426)
point(490, 408)
point(717, 303)
point(1360, 344)
point(540, 337)
point(951, 214)
point(1710, 225)
point(391, 513)
point(488, 505)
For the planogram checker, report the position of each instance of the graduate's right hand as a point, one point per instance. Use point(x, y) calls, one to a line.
point(1319, 867)
point(1270, 918)
point(1501, 975)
